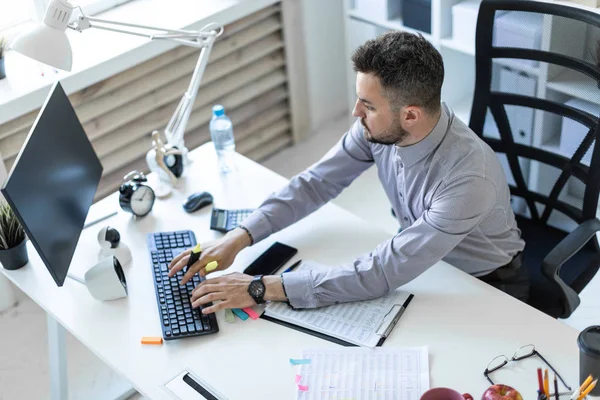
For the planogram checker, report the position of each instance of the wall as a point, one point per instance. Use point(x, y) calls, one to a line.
point(326, 60)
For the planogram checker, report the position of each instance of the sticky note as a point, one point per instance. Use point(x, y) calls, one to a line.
point(211, 266)
point(229, 317)
point(251, 313)
point(152, 340)
point(241, 314)
point(302, 388)
point(299, 361)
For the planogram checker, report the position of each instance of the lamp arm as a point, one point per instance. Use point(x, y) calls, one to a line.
point(202, 39)
point(176, 127)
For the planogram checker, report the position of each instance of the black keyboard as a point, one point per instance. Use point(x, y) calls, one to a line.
point(178, 318)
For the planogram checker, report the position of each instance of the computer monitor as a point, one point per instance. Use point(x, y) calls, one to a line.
point(52, 182)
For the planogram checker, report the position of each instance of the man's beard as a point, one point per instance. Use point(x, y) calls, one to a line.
point(395, 134)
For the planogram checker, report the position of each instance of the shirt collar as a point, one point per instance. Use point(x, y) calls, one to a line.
point(410, 155)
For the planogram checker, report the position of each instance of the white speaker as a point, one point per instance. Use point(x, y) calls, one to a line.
point(106, 280)
point(110, 243)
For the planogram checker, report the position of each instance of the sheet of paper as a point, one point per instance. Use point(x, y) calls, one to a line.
point(357, 322)
point(363, 374)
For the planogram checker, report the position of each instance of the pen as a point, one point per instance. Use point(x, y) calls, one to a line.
point(555, 388)
point(546, 384)
point(294, 265)
point(540, 380)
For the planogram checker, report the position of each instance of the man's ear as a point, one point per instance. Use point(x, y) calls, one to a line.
point(412, 115)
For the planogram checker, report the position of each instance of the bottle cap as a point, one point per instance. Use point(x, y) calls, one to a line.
point(218, 110)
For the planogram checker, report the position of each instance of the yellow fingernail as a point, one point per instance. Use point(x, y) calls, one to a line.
point(197, 249)
point(211, 266)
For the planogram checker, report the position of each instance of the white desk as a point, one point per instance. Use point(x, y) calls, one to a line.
point(464, 322)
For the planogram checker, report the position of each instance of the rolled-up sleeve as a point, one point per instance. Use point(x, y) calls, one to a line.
point(456, 209)
point(311, 189)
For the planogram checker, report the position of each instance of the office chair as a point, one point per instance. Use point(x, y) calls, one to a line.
point(559, 263)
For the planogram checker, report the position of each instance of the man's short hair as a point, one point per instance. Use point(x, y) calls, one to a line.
point(410, 69)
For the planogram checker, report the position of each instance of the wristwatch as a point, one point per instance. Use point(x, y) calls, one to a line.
point(257, 289)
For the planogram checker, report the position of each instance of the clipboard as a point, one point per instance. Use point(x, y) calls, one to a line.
point(339, 341)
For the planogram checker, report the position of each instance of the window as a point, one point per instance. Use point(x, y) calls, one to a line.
point(24, 12)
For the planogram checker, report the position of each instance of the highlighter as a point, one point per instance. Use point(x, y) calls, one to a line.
point(195, 255)
point(211, 266)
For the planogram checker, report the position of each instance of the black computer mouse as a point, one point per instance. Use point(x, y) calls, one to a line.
point(196, 201)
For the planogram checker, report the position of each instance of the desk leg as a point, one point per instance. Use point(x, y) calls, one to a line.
point(57, 346)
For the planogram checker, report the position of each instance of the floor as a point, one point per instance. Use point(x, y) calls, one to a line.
point(23, 346)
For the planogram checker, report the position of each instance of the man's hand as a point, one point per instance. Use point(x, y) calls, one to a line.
point(223, 251)
point(232, 291)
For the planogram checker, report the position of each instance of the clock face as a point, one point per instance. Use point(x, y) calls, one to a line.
point(142, 200)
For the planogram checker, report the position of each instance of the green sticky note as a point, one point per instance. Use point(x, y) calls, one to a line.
point(229, 317)
point(211, 266)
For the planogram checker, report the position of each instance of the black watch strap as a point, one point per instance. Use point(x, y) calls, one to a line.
point(257, 289)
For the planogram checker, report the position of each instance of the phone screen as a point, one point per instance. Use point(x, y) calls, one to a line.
point(271, 260)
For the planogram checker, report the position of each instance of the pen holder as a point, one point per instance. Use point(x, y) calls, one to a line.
point(589, 355)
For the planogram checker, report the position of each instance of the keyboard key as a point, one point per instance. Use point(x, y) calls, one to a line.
point(183, 329)
point(199, 326)
point(191, 328)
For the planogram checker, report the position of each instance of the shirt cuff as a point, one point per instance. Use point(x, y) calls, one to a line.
point(258, 226)
point(299, 289)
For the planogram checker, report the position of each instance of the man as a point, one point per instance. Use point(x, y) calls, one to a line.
point(446, 187)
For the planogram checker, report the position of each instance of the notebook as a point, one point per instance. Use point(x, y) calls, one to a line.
point(361, 323)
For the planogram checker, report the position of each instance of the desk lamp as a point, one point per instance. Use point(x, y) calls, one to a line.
point(48, 44)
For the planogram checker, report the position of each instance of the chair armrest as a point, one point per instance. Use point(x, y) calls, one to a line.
point(561, 253)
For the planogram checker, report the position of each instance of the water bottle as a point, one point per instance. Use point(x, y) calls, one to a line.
point(221, 133)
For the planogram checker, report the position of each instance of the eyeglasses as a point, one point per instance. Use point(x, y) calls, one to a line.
point(521, 353)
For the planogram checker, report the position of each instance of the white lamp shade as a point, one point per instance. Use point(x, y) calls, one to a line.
point(46, 45)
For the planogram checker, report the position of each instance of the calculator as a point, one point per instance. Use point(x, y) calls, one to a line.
point(226, 220)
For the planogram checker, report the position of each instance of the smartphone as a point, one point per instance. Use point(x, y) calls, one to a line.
point(271, 260)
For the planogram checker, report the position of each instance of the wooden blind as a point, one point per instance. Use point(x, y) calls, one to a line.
point(246, 73)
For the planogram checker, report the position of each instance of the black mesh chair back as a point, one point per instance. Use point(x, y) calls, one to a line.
point(537, 103)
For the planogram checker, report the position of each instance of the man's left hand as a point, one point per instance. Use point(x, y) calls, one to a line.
point(231, 290)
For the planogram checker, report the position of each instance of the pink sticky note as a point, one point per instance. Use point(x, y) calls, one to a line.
point(302, 388)
point(251, 313)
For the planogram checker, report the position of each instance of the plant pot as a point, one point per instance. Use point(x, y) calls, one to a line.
point(15, 257)
point(2, 70)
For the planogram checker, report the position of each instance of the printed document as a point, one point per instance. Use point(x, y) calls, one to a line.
point(353, 373)
point(362, 323)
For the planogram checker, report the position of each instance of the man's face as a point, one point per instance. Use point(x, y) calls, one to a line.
point(381, 125)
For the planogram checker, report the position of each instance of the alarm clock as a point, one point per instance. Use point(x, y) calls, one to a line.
point(134, 196)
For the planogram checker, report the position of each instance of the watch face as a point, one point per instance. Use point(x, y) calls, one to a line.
point(257, 289)
point(142, 200)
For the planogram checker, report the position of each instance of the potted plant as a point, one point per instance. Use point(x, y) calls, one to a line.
point(3, 45)
point(13, 249)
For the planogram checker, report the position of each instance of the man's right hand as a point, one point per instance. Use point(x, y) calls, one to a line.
point(223, 251)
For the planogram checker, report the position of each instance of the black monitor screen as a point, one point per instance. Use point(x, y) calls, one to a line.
point(52, 183)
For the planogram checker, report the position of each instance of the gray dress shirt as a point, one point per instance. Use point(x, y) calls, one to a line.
point(448, 191)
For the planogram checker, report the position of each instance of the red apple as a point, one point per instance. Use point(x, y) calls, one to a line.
point(501, 392)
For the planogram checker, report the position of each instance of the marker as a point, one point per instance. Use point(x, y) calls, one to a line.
point(194, 255)
point(211, 266)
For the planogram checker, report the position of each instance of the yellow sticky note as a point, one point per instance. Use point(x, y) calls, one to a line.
point(197, 249)
point(211, 266)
